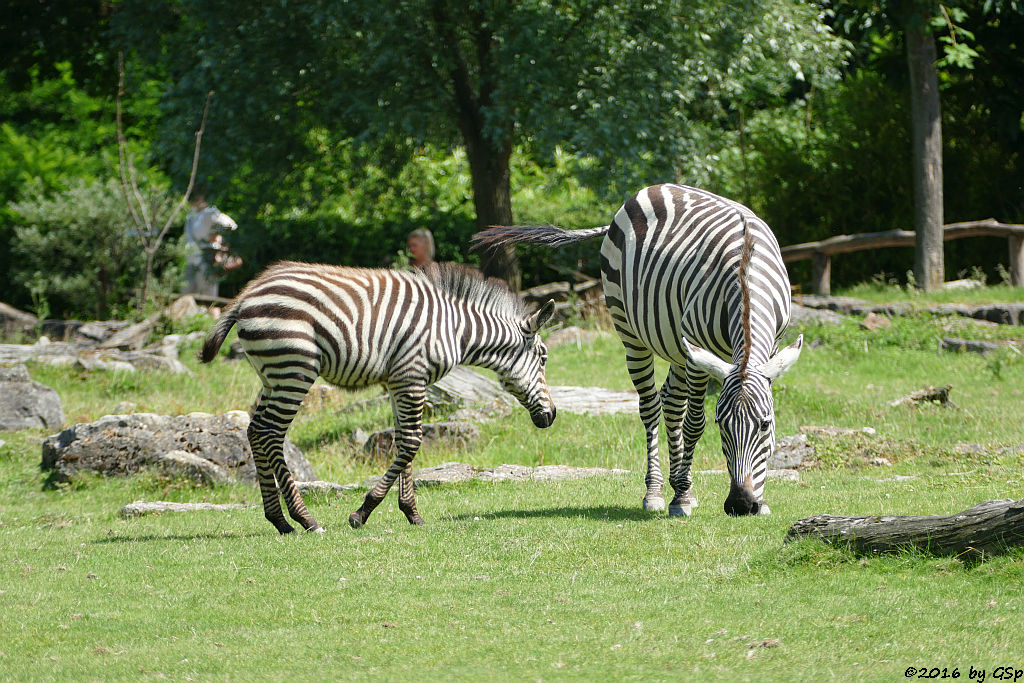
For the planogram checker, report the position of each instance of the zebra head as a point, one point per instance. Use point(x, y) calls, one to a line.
point(746, 419)
point(522, 370)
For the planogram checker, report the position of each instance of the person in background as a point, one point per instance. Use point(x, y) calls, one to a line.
point(207, 255)
point(421, 247)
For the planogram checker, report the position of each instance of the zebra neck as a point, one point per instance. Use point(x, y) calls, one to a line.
point(486, 341)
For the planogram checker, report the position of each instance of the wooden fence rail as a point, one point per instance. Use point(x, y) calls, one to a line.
point(821, 253)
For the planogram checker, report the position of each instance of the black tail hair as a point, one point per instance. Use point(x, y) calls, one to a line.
point(216, 337)
point(549, 235)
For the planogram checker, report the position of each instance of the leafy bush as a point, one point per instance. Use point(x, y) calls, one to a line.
point(77, 253)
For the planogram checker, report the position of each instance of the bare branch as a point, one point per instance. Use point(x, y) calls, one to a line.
point(124, 162)
point(195, 168)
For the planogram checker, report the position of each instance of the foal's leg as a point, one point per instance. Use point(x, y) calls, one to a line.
point(407, 401)
point(674, 404)
point(274, 413)
point(640, 364)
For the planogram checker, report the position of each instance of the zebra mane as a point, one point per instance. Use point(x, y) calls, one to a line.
point(745, 257)
point(468, 284)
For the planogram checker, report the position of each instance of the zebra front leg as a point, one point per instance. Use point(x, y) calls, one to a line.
point(696, 386)
point(407, 403)
point(675, 400)
point(640, 363)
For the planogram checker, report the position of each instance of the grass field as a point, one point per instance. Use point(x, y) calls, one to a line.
point(532, 580)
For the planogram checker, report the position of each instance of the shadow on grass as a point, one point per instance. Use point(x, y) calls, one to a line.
point(118, 538)
point(608, 513)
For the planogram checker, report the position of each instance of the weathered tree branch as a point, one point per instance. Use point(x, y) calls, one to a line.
point(129, 185)
point(989, 528)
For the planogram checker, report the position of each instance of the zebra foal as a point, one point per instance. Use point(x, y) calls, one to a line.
point(359, 327)
point(681, 265)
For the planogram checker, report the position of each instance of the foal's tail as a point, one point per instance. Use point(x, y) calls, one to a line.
point(548, 235)
point(216, 336)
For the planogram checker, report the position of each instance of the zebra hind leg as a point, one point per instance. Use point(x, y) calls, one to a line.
point(266, 438)
point(407, 496)
point(268, 486)
point(640, 364)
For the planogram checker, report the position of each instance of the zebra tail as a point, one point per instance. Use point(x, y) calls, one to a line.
point(216, 337)
point(547, 235)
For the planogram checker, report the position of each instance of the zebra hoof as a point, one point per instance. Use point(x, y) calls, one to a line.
point(355, 520)
point(283, 527)
point(654, 504)
point(764, 510)
point(315, 530)
point(684, 510)
point(417, 520)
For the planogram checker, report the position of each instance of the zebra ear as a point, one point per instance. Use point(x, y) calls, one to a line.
point(783, 360)
point(533, 324)
point(707, 361)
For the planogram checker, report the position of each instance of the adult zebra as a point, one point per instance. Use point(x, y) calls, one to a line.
point(360, 327)
point(682, 265)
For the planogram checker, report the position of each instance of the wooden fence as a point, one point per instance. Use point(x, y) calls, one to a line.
point(821, 253)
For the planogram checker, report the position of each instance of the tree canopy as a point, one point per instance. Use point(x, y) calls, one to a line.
point(337, 127)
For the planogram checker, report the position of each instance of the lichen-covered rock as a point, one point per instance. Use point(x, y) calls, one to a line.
point(457, 473)
point(126, 444)
point(382, 444)
point(25, 404)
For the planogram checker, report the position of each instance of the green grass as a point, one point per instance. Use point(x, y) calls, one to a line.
point(886, 292)
point(530, 581)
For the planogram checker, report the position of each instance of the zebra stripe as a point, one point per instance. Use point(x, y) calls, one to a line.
point(698, 280)
point(360, 327)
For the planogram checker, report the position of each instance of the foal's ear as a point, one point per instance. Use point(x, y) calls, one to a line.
point(533, 324)
point(783, 360)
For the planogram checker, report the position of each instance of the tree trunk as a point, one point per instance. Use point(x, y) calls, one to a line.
point(488, 144)
point(929, 268)
point(988, 528)
point(492, 198)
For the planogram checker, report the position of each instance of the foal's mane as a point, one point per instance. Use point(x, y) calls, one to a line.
point(467, 284)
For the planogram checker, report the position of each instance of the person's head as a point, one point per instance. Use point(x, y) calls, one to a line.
point(421, 246)
point(198, 198)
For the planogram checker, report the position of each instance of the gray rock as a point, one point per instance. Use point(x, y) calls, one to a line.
point(183, 307)
point(873, 322)
point(143, 507)
point(594, 400)
point(25, 404)
point(98, 331)
point(803, 315)
point(192, 466)
point(575, 336)
point(15, 322)
point(457, 473)
point(324, 487)
point(973, 346)
point(790, 452)
point(125, 444)
point(382, 443)
point(465, 388)
point(777, 475)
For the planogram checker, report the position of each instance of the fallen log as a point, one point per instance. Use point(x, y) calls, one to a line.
point(938, 395)
point(988, 528)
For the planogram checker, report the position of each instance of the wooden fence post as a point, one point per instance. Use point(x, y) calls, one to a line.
point(1016, 260)
point(822, 273)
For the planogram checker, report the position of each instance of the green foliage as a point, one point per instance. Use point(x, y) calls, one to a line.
point(77, 253)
